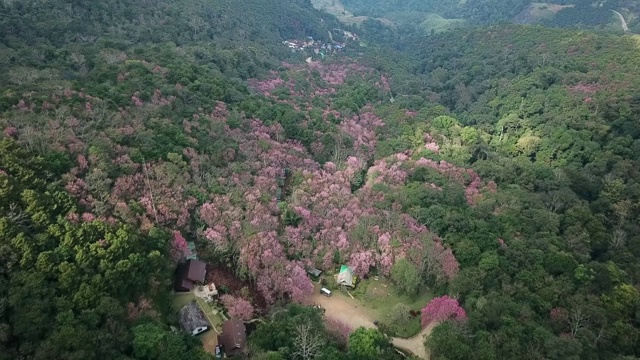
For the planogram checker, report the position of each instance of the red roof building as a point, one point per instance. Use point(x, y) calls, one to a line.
point(188, 273)
point(234, 337)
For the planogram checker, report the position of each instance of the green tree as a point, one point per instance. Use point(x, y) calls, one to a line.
point(293, 331)
point(447, 341)
point(370, 344)
point(151, 341)
point(68, 283)
point(406, 277)
point(400, 313)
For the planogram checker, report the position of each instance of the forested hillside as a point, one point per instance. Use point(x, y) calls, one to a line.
point(94, 95)
point(40, 39)
point(434, 16)
point(549, 263)
point(493, 169)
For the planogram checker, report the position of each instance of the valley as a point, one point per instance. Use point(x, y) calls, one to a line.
point(179, 179)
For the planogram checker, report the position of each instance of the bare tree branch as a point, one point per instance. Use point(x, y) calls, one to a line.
point(307, 343)
point(578, 320)
point(618, 239)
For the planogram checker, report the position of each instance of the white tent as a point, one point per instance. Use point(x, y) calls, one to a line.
point(345, 276)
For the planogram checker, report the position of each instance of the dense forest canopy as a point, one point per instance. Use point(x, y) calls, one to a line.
point(494, 167)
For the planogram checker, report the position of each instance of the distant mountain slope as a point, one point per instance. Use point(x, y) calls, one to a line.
point(239, 39)
point(567, 13)
point(475, 11)
point(65, 21)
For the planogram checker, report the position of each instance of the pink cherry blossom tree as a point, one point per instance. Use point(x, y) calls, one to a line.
point(238, 308)
point(178, 246)
point(443, 308)
point(338, 329)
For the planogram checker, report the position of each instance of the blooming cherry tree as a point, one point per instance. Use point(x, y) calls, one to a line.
point(443, 308)
point(178, 246)
point(238, 308)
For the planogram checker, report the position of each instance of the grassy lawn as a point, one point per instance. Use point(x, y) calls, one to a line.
point(209, 339)
point(380, 296)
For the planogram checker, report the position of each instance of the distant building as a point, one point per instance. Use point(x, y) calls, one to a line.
point(234, 337)
point(193, 320)
point(189, 273)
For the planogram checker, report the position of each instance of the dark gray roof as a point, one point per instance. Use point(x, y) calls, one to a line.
point(192, 317)
point(314, 272)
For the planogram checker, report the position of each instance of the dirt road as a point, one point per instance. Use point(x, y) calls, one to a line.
point(625, 27)
point(415, 344)
point(347, 310)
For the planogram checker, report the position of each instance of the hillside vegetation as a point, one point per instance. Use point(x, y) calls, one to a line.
point(495, 166)
point(550, 117)
point(431, 14)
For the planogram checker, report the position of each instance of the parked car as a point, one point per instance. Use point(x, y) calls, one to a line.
point(319, 308)
point(326, 292)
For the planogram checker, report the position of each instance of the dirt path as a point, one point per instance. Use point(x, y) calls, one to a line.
point(347, 310)
point(415, 344)
point(625, 27)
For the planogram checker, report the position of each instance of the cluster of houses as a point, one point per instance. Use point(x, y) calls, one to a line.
point(317, 47)
point(190, 276)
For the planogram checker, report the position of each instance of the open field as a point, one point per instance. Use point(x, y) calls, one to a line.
point(537, 12)
point(335, 8)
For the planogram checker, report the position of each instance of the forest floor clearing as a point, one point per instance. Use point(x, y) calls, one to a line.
point(210, 338)
point(373, 301)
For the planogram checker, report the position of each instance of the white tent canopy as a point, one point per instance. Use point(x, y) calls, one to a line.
point(345, 276)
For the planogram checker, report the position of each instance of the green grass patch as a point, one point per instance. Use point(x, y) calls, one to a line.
point(380, 297)
point(181, 300)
